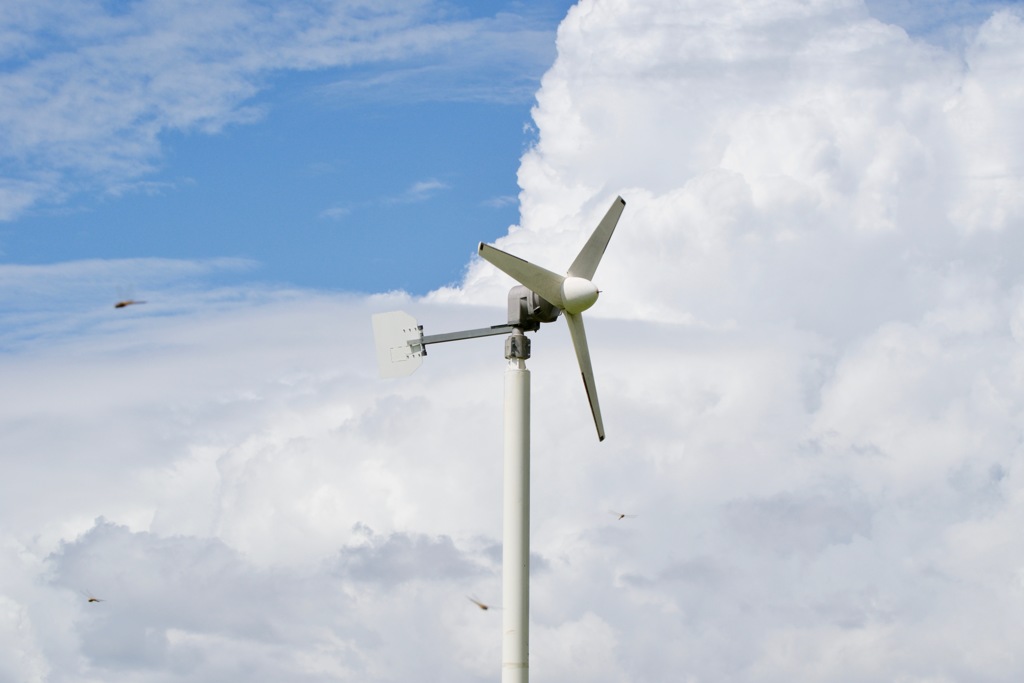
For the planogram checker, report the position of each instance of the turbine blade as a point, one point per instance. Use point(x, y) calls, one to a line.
point(590, 255)
point(579, 341)
point(539, 280)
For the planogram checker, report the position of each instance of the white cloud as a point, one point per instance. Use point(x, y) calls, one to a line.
point(499, 202)
point(826, 213)
point(423, 189)
point(39, 301)
point(335, 213)
point(808, 351)
point(162, 464)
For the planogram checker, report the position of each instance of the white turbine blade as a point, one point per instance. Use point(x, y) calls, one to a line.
point(590, 255)
point(540, 280)
point(579, 341)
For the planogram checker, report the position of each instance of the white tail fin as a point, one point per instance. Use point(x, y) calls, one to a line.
point(399, 343)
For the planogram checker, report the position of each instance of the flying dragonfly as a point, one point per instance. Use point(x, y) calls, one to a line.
point(126, 297)
point(621, 515)
point(89, 597)
point(479, 604)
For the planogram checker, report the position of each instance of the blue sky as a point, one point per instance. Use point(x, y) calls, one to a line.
point(319, 196)
point(808, 347)
point(377, 175)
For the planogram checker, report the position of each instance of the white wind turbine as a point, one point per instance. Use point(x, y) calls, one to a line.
point(540, 298)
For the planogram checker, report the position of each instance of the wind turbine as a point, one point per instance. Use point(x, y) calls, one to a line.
point(570, 294)
point(541, 297)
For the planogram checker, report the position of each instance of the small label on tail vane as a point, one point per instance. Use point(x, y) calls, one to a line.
point(399, 341)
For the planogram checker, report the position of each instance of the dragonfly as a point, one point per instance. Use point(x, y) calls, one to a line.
point(482, 605)
point(621, 515)
point(126, 298)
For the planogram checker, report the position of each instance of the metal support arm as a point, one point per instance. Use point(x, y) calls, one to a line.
point(466, 334)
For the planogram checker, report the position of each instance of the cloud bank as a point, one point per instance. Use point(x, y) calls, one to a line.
point(808, 350)
point(827, 212)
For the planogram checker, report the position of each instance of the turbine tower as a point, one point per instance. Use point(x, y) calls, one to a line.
point(540, 297)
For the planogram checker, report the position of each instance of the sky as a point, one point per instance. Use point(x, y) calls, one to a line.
point(299, 135)
point(809, 345)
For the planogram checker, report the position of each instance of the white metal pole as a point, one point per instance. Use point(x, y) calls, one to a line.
point(516, 526)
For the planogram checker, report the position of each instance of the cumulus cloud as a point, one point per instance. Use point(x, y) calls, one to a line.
point(174, 484)
point(825, 212)
point(749, 151)
point(808, 351)
point(401, 557)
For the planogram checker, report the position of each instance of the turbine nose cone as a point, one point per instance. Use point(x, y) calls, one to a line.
point(578, 294)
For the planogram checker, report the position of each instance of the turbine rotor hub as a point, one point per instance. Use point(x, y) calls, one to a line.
point(578, 294)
